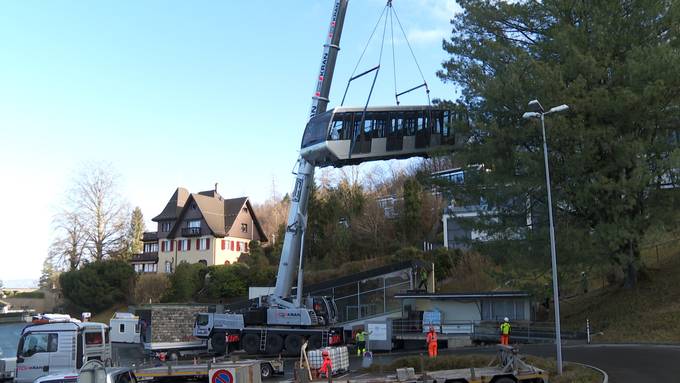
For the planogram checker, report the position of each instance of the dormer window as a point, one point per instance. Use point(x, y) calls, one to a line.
point(194, 223)
point(244, 227)
point(166, 226)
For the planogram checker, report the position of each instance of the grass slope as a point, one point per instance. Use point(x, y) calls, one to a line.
point(648, 313)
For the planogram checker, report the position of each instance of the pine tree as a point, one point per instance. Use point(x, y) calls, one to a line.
point(617, 65)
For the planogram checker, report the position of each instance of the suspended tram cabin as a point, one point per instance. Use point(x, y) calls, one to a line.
point(390, 132)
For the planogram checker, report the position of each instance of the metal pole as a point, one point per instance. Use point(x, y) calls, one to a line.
point(553, 256)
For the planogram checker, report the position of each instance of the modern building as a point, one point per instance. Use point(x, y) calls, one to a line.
point(199, 228)
point(456, 235)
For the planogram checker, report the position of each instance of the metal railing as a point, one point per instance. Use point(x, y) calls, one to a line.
point(487, 331)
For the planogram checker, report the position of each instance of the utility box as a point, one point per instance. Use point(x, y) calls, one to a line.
point(379, 335)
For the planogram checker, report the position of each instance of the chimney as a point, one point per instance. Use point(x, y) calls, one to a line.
point(215, 187)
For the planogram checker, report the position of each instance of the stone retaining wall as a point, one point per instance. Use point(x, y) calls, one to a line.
point(173, 323)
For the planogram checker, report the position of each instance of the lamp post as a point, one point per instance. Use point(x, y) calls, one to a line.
point(536, 112)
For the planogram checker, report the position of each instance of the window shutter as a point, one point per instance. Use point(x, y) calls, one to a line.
point(245, 245)
point(232, 245)
point(163, 246)
point(224, 244)
point(207, 243)
point(188, 244)
point(238, 246)
point(172, 245)
point(198, 244)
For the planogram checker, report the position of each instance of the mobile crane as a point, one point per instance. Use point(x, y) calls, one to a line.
point(337, 137)
point(282, 322)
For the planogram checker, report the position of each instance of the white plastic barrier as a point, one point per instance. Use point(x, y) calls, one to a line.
point(339, 358)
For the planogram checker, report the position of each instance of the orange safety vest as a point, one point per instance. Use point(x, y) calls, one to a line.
point(431, 337)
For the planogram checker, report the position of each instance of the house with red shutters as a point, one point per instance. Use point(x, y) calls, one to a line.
point(199, 227)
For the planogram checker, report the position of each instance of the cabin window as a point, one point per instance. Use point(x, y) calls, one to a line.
point(93, 338)
point(122, 328)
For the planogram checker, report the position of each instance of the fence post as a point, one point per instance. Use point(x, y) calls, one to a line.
point(588, 329)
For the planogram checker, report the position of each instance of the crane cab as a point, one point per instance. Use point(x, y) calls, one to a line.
point(348, 136)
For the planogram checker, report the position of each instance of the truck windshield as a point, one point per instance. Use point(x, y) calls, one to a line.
point(33, 343)
point(202, 320)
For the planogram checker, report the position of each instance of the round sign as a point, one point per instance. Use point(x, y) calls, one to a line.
point(222, 376)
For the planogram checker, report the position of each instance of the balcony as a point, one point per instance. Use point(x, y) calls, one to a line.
point(191, 231)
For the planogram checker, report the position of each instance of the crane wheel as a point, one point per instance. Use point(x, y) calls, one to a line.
point(315, 342)
point(219, 343)
point(293, 343)
point(274, 344)
point(251, 343)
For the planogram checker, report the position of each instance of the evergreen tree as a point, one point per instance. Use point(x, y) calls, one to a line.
point(135, 232)
point(617, 65)
point(48, 275)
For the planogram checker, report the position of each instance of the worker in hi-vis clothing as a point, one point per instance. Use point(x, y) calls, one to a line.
point(360, 338)
point(432, 342)
point(505, 331)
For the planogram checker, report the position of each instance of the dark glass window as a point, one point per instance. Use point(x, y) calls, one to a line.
point(316, 129)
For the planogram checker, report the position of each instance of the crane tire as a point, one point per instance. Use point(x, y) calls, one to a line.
point(251, 343)
point(274, 344)
point(314, 342)
point(219, 343)
point(293, 343)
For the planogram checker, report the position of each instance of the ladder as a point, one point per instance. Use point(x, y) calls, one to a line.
point(324, 338)
point(263, 339)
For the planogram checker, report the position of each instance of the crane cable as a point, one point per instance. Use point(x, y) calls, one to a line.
point(427, 89)
point(390, 10)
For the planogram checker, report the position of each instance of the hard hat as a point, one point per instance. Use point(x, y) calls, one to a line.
point(431, 328)
point(506, 319)
point(324, 353)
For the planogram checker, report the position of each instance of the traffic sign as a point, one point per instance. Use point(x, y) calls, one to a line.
point(222, 375)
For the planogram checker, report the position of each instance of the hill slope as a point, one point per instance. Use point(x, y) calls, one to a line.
point(649, 313)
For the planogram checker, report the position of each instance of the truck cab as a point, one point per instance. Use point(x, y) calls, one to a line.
point(60, 346)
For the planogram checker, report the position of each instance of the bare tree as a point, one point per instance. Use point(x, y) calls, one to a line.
point(69, 245)
point(102, 211)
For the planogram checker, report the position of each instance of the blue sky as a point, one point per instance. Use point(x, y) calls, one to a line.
point(175, 93)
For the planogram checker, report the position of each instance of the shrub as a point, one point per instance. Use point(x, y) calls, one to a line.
point(185, 282)
point(150, 288)
point(30, 294)
point(97, 285)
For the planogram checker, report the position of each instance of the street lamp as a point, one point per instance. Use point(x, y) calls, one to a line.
point(536, 112)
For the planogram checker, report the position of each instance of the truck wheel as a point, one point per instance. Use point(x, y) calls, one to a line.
point(266, 370)
point(504, 379)
point(314, 342)
point(274, 344)
point(293, 344)
point(251, 343)
point(219, 343)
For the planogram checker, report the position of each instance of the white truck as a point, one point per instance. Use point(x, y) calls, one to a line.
point(60, 345)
